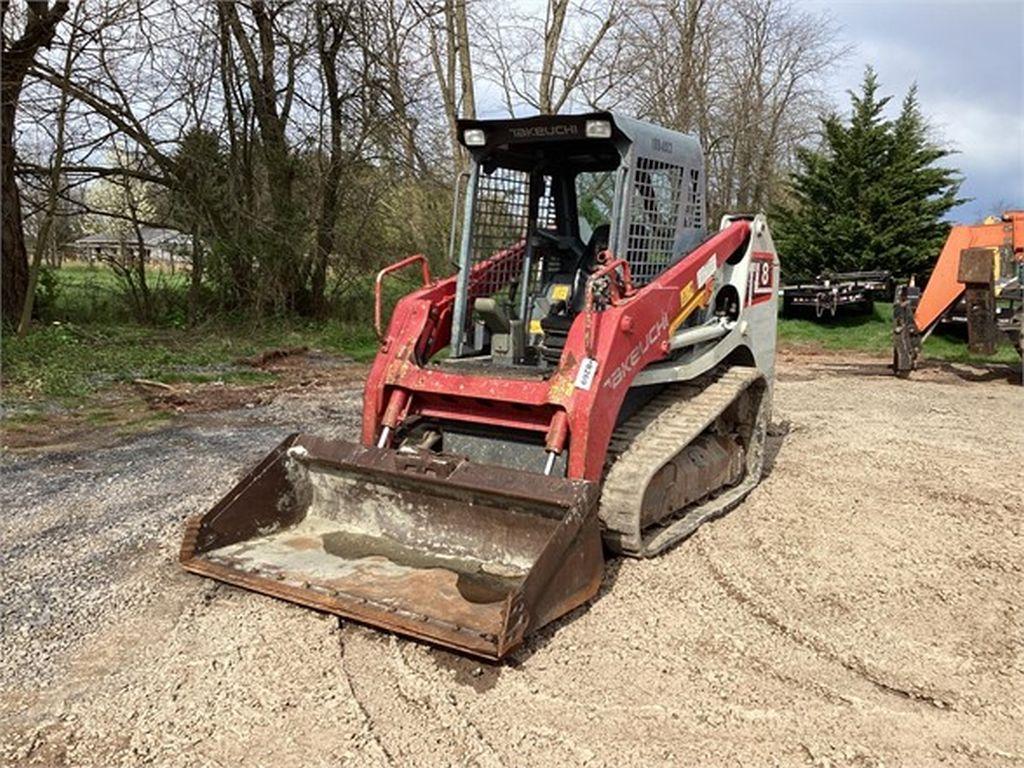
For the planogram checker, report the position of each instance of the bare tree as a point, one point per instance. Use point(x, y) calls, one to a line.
point(448, 43)
point(745, 75)
point(303, 146)
point(55, 179)
point(580, 52)
point(332, 23)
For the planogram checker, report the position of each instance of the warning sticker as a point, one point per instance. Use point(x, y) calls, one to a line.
point(559, 292)
point(707, 271)
point(586, 373)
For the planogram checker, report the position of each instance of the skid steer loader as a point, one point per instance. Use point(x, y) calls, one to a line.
point(599, 369)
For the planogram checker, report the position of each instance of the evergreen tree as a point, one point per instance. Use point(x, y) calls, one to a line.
point(872, 197)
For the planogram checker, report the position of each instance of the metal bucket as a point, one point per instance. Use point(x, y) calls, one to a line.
point(464, 555)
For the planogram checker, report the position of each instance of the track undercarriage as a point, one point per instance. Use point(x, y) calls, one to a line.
point(688, 456)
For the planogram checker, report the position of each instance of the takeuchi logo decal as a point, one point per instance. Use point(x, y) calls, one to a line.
point(540, 131)
point(652, 337)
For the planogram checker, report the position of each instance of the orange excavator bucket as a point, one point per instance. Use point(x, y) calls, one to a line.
point(424, 544)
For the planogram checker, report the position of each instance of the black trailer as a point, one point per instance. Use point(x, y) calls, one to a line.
point(834, 292)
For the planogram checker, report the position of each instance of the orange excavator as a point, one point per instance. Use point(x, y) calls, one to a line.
point(982, 264)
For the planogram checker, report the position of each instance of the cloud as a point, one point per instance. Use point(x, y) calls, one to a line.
point(967, 59)
point(986, 137)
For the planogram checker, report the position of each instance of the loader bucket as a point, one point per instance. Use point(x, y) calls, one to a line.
point(429, 545)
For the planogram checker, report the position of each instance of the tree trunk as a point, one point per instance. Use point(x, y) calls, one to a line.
point(14, 273)
point(465, 61)
point(332, 26)
point(195, 276)
point(18, 55)
point(52, 198)
point(552, 37)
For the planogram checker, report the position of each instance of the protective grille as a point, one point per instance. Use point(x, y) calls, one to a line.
point(666, 200)
point(500, 223)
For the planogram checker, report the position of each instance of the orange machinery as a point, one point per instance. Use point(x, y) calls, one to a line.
point(984, 264)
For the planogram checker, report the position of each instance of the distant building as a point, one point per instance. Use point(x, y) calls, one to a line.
point(161, 245)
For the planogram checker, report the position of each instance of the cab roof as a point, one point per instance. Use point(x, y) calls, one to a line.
point(525, 142)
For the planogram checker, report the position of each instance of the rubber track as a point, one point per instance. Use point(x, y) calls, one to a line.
point(651, 438)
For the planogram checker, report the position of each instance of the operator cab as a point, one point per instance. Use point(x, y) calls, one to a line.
point(547, 196)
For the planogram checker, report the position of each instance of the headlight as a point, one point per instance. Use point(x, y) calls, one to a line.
point(598, 129)
point(474, 137)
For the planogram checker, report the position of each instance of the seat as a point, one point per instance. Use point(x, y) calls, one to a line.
point(560, 318)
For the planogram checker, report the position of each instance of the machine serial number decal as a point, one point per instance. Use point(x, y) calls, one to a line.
point(707, 271)
point(586, 373)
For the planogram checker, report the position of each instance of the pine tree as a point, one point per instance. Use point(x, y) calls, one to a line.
point(871, 197)
point(921, 194)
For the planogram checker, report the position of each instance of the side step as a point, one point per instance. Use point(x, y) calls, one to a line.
point(656, 435)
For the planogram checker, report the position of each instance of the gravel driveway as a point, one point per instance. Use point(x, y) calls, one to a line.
point(863, 607)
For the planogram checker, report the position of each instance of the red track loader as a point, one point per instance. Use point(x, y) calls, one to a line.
point(596, 376)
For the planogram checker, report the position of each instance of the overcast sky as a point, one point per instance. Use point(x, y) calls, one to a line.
point(967, 57)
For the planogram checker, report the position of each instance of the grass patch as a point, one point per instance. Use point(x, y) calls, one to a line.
point(26, 418)
point(89, 342)
point(67, 362)
point(93, 293)
point(144, 423)
point(872, 334)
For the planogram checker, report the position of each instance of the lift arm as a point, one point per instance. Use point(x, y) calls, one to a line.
point(914, 319)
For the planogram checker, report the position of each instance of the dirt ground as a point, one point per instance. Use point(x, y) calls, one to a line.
point(862, 608)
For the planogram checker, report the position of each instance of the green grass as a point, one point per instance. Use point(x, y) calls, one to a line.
point(66, 361)
point(86, 294)
point(872, 334)
point(88, 341)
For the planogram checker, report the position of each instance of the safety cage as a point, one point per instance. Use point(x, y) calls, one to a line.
point(545, 197)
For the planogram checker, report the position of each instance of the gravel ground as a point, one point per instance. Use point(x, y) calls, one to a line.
point(863, 607)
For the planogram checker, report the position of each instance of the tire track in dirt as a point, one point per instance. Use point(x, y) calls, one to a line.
point(446, 707)
point(397, 694)
point(820, 646)
point(367, 719)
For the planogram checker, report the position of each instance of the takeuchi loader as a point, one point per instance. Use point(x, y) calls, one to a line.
point(596, 376)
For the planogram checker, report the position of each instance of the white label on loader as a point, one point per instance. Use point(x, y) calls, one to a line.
point(707, 271)
point(586, 373)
